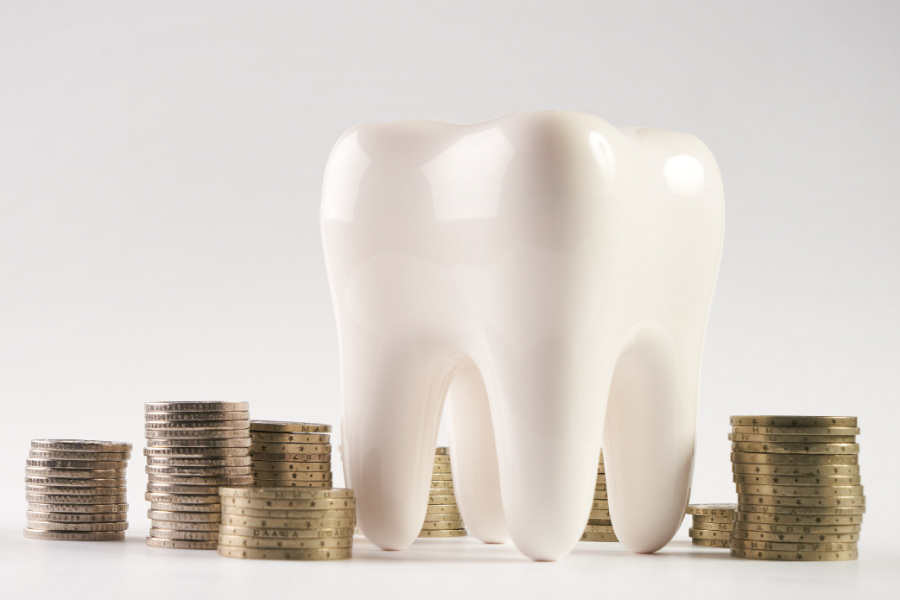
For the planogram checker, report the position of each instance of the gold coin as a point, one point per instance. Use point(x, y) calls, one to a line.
point(803, 510)
point(598, 528)
point(794, 547)
point(192, 445)
point(796, 439)
point(290, 457)
point(442, 459)
point(197, 453)
point(600, 504)
point(181, 544)
point(301, 523)
point(183, 526)
point(78, 536)
point(441, 491)
point(195, 416)
point(262, 533)
point(237, 541)
point(260, 466)
point(202, 480)
point(447, 516)
point(713, 526)
point(65, 455)
point(200, 427)
point(796, 430)
point(281, 554)
point(711, 543)
point(443, 533)
point(436, 509)
point(89, 446)
point(209, 406)
point(290, 438)
point(186, 508)
point(442, 499)
point(818, 460)
point(798, 529)
point(281, 493)
point(58, 482)
point(46, 473)
point(295, 484)
point(196, 517)
point(442, 477)
point(161, 436)
point(791, 421)
point(608, 536)
point(727, 519)
point(800, 501)
point(280, 448)
point(795, 480)
point(289, 427)
point(255, 504)
point(76, 517)
point(176, 534)
point(182, 498)
point(57, 526)
point(709, 534)
point(172, 488)
point(293, 475)
point(784, 520)
point(819, 491)
point(712, 510)
point(436, 525)
point(598, 513)
point(442, 451)
point(599, 522)
point(441, 468)
point(797, 470)
point(786, 555)
point(280, 513)
point(796, 538)
point(794, 448)
point(41, 498)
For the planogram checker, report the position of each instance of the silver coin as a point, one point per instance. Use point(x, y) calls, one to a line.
point(175, 498)
point(56, 526)
point(155, 435)
point(65, 517)
point(78, 509)
point(197, 452)
point(171, 488)
point(174, 534)
point(193, 444)
point(208, 406)
point(77, 455)
point(76, 465)
point(166, 461)
point(75, 483)
point(186, 508)
point(202, 479)
point(74, 491)
point(182, 544)
point(40, 498)
point(242, 424)
point(81, 536)
point(184, 525)
point(74, 473)
point(81, 445)
point(178, 515)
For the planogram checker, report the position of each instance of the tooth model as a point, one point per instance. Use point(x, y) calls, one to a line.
point(550, 276)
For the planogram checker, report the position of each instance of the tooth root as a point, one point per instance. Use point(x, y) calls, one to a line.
point(649, 437)
point(390, 426)
point(548, 423)
point(474, 457)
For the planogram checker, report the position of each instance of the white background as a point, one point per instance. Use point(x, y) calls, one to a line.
point(160, 170)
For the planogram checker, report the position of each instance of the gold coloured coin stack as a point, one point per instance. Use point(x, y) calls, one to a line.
point(712, 524)
point(75, 490)
point(599, 527)
point(193, 448)
point(442, 517)
point(285, 454)
point(798, 485)
point(287, 523)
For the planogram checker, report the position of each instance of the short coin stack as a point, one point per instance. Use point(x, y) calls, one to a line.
point(599, 527)
point(442, 517)
point(285, 454)
point(712, 524)
point(798, 485)
point(75, 490)
point(193, 448)
point(284, 523)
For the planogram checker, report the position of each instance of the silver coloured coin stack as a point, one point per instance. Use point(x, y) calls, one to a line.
point(193, 449)
point(75, 490)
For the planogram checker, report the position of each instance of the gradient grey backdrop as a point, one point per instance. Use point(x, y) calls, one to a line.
point(160, 170)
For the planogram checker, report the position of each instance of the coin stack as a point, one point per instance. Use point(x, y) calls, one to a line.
point(75, 490)
point(193, 448)
point(285, 454)
point(599, 527)
point(798, 485)
point(712, 524)
point(285, 523)
point(442, 517)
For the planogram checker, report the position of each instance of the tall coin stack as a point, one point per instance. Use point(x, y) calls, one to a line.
point(599, 527)
point(798, 485)
point(442, 517)
point(278, 523)
point(75, 490)
point(712, 524)
point(193, 448)
point(286, 454)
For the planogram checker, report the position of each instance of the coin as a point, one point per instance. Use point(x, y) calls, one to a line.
point(442, 459)
point(81, 446)
point(441, 468)
point(56, 517)
point(803, 510)
point(794, 547)
point(794, 448)
point(210, 406)
point(260, 466)
point(80, 536)
point(199, 471)
point(293, 475)
point(797, 529)
point(281, 448)
point(598, 514)
point(203, 480)
point(178, 515)
point(182, 498)
point(805, 439)
point(78, 509)
point(801, 501)
point(75, 473)
point(195, 416)
point(58, 526)
point(198, 426)
point(433, 525)
point(791, 421)
point(75, 465)
point(74, 491)
point(712, 510)
point(277, 493)
point(796, 430)
point(287, 457)
point(289, 427)
point(181, 544)
point(198, 463)
point(198, 452)
point(194, 444)
point(796, 470)
point(184, 525)
point(317, 523)
point(794, 459)
point(172, 488)
point(442, 477)
point(608, 536)
point(441, 509)
point(41, 498)
point(277, 513)
point(713, 526)
point(175, 534)
point(78, 455)
point(598, 528)
point(447, 516)
point(709, 534)
point(798, 538)
point(800, 491)
point(296, 484)
point(236, 541)
point(262, 533)
point(183, 508)
point(290, 438)
point(798, 519)
point(728, 518)
point(790, 480)
point(442, 450)
point(711, 543)
point(281, 554)
point(177, 436)
point(443, 533)
point(442, 499)
point(233, 505)
point(786, 555)
point(59, 482)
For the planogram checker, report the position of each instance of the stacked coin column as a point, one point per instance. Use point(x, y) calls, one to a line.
point(193, 448)
point(287, 454)
point(75, 490)
point(442, 517)
point(712, 524)
point(798, 485)
point(278, 523)
point(599, 527)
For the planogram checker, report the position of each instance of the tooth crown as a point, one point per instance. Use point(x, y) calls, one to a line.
point(542, 264)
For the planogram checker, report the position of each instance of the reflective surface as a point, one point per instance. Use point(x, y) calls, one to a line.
point(564, 269)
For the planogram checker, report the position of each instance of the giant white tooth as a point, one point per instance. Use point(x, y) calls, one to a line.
point(564, 260)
